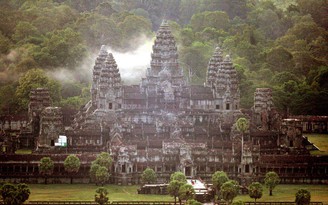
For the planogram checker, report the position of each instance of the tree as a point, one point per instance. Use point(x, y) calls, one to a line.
point(61, 48)
point(14, 195)
point(302, 197)
point(99, 168)
point(173, 189)
point(179, 176)
point(271, 180)
point(186, 192)
point(242, 126)
point(101, 195)
point(149, 176)
point(104, 159)
point(255, 191)
point(93, 170)
point(72, 165)
point(177, 179)
point(229, 190)
point(218, 179)
point(102, 175)
point(212, 19)
point(36, 78)
point(46, 167)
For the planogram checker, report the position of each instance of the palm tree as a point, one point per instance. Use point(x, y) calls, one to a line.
point(271, 180)
point(255, 190)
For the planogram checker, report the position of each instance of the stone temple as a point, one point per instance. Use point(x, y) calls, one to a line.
point(169, 125)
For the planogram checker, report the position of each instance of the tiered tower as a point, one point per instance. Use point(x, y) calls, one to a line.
point(165, 52)
point(227, 93)
point(262, 108)
point(213, 67)
point(99, 64)
point(164, 79)
point(222, 78)
point(109, 87)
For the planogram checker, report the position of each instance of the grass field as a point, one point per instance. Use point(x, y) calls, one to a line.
point(287, 193)
point(61, 192)
point(321, 141)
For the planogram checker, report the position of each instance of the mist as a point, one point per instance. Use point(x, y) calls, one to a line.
point(131, 64)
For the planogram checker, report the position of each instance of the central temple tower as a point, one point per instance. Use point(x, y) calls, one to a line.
point(164, 79)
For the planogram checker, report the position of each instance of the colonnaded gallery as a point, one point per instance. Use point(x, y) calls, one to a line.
point(163, 123)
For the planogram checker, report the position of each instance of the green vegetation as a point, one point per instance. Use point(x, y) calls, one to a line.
point(255, 190)
point(302, 197)
point(271, 180)
point(149, 176)
point(23, 151)
point(72, 165)
point(229, 190)
point(273, 43)
point(99, 168)
point(73, 192)
point(101, 195)
point(218, 179)
point(61, 192)
point(46, 167)
point(285, 192)
point(14, 194)
point(321, 141)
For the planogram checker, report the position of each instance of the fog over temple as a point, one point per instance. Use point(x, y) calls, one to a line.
point(169, 125)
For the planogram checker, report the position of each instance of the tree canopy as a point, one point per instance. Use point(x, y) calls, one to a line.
point(14, 194)
point(265, 39)
point(302, 197)
point(255, 190)
point(46, 167)
point(148, 176)
point(99, 169)
point(72, 165)
point(271, 180)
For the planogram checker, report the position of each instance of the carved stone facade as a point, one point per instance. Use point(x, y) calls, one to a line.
point(169, 125)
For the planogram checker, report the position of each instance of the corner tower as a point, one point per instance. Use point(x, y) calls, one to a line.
point(222, 78)
point(213, 66)
point(106, 85)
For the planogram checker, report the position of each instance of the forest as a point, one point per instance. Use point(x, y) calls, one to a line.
point(280, 44)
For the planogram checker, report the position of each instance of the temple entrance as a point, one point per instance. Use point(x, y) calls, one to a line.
point(188, 171)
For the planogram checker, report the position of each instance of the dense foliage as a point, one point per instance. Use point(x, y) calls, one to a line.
point(72, 165)
point(218, 179)
point(101, 196)
point(229, 190)
point(46, 167)
point(302, 197)
point(255, 190)
point(99, 169)
point(149, 176)
point(271, 180)
point(14, 194)
point(178, 180)
point(273, 43)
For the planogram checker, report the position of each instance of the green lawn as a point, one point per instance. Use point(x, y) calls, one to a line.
point(61, 192)
point(23, 151)
point(321, 141)
point(287, 193)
